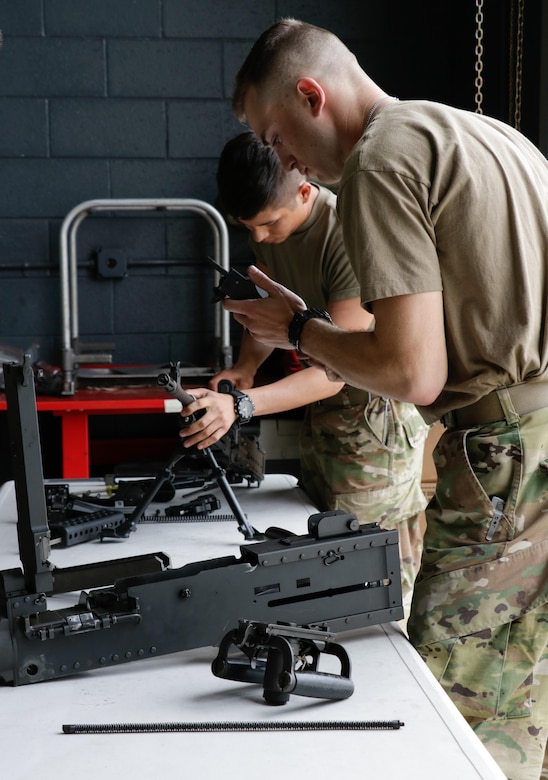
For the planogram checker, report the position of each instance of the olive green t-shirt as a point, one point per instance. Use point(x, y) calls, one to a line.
point(312, 261)
point(436, 198)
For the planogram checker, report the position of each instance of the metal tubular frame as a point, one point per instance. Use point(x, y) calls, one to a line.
point(71, 354)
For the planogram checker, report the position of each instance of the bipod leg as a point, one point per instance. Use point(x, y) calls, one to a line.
point(220, 475)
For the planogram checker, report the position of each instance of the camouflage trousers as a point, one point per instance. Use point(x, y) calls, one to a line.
point(479, 615)
point(363, 454)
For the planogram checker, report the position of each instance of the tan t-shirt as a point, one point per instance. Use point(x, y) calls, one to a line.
point(436, 198)
point(312, 261)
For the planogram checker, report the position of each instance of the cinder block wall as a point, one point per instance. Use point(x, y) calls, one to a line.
point(131, 98)
point(104, 99)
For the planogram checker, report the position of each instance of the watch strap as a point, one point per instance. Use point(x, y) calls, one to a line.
point(238, 397)
point(296, 325)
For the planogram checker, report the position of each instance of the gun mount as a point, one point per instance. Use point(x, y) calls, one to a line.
point(340, 575)
point(283, 659)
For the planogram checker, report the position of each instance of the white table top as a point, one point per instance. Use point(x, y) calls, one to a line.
point(391, 683)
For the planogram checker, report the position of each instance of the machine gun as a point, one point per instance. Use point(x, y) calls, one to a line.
point(340, 574)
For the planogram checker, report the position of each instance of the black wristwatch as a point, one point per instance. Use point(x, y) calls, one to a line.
point(297, 323)
point(243, 406)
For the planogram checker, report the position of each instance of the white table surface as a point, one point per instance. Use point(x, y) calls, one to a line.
point(391, 683)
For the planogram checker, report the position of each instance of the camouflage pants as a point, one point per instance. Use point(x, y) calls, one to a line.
point(364, 455)
point(480, 608)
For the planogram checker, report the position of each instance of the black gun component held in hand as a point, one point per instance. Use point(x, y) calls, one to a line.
point(339, 575)
point(235, 285)
point(173, 386)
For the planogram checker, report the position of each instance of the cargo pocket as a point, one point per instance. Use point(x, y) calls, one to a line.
point(380, 421)
point(487, 674)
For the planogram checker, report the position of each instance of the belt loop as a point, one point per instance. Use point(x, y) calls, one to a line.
point(507, 405)
point(448, 420)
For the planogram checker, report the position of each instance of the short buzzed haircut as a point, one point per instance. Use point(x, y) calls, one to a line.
point(284, 50)
point(250, 178)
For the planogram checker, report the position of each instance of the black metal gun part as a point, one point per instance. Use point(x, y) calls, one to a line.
point(235, 285)
point(283, 659)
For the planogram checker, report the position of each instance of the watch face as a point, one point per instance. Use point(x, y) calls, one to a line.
point(245, 408)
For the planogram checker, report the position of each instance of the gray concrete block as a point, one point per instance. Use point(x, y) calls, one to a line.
point(23, 17)
point(23, 127)
point(200, 128)
point(138, 236)
point(95, 307)
point(164, 179)
point(23, 241)
point(158, 304)
point(166, 68)
point(147, 348)
point(49, 188)
point(30, 308)
point(107, 128)
point(345, 18)
point(103, 18)
point(222, 19)
point(50, 67)
point(235, 53)
point(189, 237)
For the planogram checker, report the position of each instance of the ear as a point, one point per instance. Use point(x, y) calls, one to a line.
point(305, 189)
point(313, 92)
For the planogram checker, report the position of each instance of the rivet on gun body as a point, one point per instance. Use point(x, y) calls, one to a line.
point(186, 593)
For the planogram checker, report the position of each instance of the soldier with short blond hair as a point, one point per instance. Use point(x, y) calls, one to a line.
point(444, 215)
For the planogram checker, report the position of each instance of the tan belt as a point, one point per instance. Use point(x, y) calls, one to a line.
point(505, 403)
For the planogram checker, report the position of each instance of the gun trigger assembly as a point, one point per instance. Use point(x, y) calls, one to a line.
point(284, 659)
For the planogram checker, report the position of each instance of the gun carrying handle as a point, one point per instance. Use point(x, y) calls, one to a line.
point(322, 685)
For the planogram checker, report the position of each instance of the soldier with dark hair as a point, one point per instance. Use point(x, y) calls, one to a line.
point(360, 452)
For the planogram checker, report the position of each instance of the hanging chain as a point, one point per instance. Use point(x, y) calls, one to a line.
point(479, 56)
point(519, 66)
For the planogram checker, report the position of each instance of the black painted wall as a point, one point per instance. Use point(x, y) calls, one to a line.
point(131, 98)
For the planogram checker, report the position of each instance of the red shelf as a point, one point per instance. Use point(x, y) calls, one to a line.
point(75, 410)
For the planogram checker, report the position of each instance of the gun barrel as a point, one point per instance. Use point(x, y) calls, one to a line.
point(175, 389)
